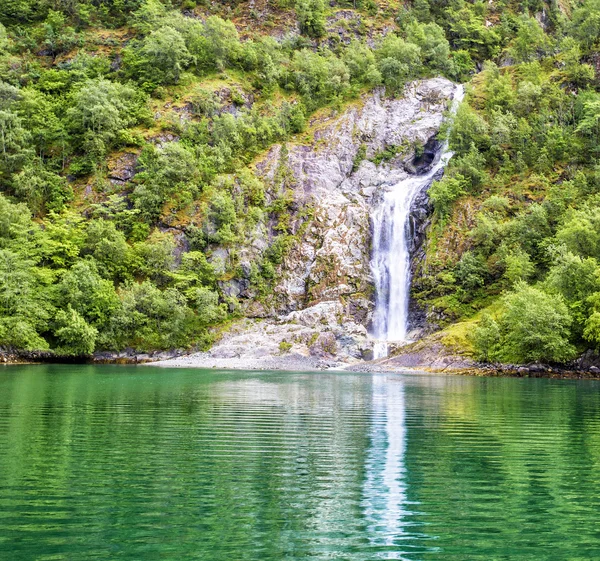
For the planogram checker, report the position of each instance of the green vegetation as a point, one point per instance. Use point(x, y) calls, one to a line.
point(516, 223)
point(129, 130)
point(122, 220)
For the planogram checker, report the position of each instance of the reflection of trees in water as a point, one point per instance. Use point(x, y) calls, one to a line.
point(236, 466)
point(506, 465)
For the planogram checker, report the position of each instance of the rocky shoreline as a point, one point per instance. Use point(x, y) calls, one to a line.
point(297, 362)
point(445, 364)
point(12, 356)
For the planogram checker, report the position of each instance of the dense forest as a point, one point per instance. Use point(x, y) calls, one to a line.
point(98, 253)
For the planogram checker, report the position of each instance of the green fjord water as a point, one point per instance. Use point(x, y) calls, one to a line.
point(147, 464)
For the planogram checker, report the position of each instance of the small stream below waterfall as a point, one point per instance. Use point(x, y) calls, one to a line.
point(390, 262)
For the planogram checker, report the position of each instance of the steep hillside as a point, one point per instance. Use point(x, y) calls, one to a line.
point(167, 168)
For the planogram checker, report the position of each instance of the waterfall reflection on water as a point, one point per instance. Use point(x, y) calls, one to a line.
point(385, 486)
point(390, 262)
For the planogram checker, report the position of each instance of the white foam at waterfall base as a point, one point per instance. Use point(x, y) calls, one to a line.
point(390, 262)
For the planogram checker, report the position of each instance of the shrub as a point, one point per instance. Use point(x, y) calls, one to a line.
point(471, 271)
point(445, 192)
point(75, 336)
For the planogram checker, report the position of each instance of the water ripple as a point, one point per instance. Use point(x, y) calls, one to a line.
point(129, 463)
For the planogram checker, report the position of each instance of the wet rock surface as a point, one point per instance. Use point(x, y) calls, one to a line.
point(123, 168)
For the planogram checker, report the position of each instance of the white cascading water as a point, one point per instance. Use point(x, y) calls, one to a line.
point(390, 261)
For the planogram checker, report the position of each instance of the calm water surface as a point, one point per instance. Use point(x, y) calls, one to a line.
point(147, 464)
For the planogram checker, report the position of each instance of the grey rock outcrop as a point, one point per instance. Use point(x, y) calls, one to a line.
point(332, 261)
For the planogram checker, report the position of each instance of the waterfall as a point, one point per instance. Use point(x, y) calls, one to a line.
point(390, 261)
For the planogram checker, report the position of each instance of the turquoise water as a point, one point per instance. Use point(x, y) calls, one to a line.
point(138, 463)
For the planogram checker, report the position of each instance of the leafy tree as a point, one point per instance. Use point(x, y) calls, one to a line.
point(585, 23)
point(108, 247)
point(576, 280)
point(589, 122)
point(156, 256)
point(24, 304)
point(471, 271)
point(63, 238)
point(467, 30)
point(530, 229)
point(160, 58)
point(83, 289)
point(99, 110)
point(151, 318)
point(3, 38)
point(46, 129)
point(311, 17)
point(486, 233)
point(530, 41)
point(518, 265)
point(41, 189)
point(580, 232)
point(17, 230)
point(577, 73)
point(172, 168)
point(222, 216)
point(468, 129)
point(421, 10)
point(19, 11)
point(206, 304)
point(532, 326)
point(223, 42)
point(15, 142)
point(148, 16)
point(471, 166)
point(591, 331)
point(573, 277)
point(361, 64)
point(487, 339)
point(461, 65)
point(498, 88)
point(196, 270)
point(318, 78)
point(399, 61)
point(435, 49)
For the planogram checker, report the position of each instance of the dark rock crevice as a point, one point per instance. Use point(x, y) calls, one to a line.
point(426, 158)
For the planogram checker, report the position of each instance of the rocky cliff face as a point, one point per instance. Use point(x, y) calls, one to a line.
point(340, 176)
point(332, 261)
